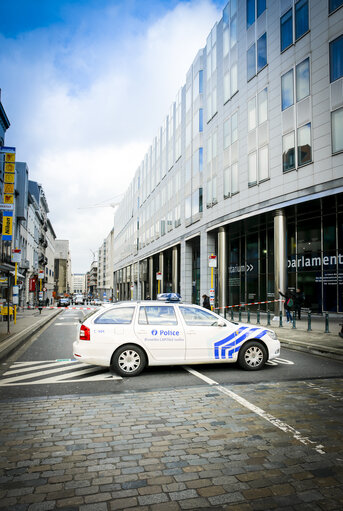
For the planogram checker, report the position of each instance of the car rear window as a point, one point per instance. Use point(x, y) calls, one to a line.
point(119, 315)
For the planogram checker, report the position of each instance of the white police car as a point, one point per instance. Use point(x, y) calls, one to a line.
point(128, 336)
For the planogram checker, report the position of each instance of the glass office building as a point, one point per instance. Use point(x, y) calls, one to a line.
point(247, 166)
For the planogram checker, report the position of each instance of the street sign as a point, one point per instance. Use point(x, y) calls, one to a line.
point(6, 207)
point(41, 274)
point(3, 281)
point(159, 275)
point(212, 261)
point(16, 255)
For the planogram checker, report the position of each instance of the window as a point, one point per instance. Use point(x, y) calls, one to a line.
point(288, 152)
point(252, 114)
point(337, 130)
point(230, 130)
point(157, 315)
point(252, 169)
point(263, 167)
point(251, 62)
point(262, 52)
point(262, 106)
point(254, 9)
point(336, 59)
point(231, 180)
point(302, 77)
point(301, 18)
point(304, 145)
point(120, 315)
point(287, 94)
point(197, 317)
point(288, 33)
point(334, 4)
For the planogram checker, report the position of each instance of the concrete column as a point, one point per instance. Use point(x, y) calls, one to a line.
point(161, 268)
point(175, 269)
point(222, 269)
point(151, 277)
point(280, 256)
point(186, 271)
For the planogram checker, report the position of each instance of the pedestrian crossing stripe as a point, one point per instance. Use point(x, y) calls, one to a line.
point(54, 371)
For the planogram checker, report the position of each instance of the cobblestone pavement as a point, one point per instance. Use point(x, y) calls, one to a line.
point(192, 448)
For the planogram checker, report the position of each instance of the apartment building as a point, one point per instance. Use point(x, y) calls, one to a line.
point(241, 192)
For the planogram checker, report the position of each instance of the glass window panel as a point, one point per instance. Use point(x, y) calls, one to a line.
point(250, 12)
point(227, 182)
point(234, 80)
point(304, 144)
point(161, 315)
point(252, 114)
point(200, 200)
point(214, 58)
point(201, 159)
point(301, 18)
point(262, 52)
point(226, 41)
point(263, 167)
point(121, 315)
point(261, 7)
point(337, 130)
point(233, 32)
point(214, 189)
point(303, 79)
point(233, 7)
point(208, 66)
point(251, 62)
point(209, 192)
point(195, 202)
point(227, 134)
point(201, 119)
point(234, 127)
point(226, 86)
point(286, 29)
point(188, 99)
point(198, 317)
point(288, 152)
point(334, 4)
point(226, 14)
point(209, 150)
point(188, 206)
point(214, 145)
point(287, 90)
point(262, 106)
point(234, 178)
point(336, 58)
point(252, 169)
point(201, 81)
point(214, 100)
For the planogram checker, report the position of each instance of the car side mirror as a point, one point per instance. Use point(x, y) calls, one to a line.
point(220, 322)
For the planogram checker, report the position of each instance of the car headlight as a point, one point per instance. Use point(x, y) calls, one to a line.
point(272, 335)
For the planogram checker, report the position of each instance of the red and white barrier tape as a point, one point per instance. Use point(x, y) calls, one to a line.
point(246, 304)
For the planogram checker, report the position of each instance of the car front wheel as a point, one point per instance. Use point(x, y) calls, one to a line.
point(252, 356)
point(129, 360)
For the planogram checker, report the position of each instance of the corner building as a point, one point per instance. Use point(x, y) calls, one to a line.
point(247, 165)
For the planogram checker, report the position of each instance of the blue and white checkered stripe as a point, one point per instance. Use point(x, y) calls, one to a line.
point(225, 348)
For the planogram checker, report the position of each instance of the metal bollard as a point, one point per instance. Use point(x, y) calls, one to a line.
point(309, 329)
point(231, 314)
point(327, 331)
point(268, 318)
point(248, 319)
point(239, 315)
point(280, 320)
point(258, 317)
point(225, 313)
point(293, 320)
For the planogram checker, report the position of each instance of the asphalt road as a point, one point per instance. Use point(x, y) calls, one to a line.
point(45, 367)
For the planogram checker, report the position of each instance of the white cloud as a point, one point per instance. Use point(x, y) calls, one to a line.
point(83, 113)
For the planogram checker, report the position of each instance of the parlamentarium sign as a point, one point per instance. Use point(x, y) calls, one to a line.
point(317, 261)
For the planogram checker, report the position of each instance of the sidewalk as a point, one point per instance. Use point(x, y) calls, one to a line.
point(28, 322)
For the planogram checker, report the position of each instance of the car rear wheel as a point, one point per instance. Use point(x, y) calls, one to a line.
point(252, 356)
point(129, 360)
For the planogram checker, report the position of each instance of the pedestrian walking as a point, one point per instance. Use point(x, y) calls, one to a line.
point(206, 302)
point(289, 304)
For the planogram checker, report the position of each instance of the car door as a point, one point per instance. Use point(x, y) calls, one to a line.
point(204, 331)
point(159, 330)
point(113, 327)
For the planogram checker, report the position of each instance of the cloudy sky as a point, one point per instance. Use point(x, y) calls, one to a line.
point(86, 85)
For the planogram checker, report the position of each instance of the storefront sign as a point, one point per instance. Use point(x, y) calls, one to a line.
point(7, 222)
point(314, 261)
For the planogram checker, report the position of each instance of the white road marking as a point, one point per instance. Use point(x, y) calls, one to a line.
point(66, 323)
point(283, 426)
point(37, 365)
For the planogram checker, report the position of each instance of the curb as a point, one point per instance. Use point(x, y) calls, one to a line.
point(323, 351)
point(8, 345)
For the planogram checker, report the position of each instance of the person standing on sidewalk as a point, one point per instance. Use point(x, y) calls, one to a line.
point(289, 304)
point(206, 302)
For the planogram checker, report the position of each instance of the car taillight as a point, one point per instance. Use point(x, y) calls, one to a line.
point(85, 333)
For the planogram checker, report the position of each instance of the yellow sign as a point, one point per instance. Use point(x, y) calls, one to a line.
point(10, 157)
point(4, 311)
point(9, 188)
point(7, 226)
point(9, 178)
point(10, 167)
point(8, 198)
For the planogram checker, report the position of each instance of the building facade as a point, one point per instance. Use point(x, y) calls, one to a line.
point(247, 166)
point(62, 268)
point(105, 268)
point(78, 283)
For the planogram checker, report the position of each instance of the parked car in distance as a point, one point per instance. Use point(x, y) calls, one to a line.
point(63, 302)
